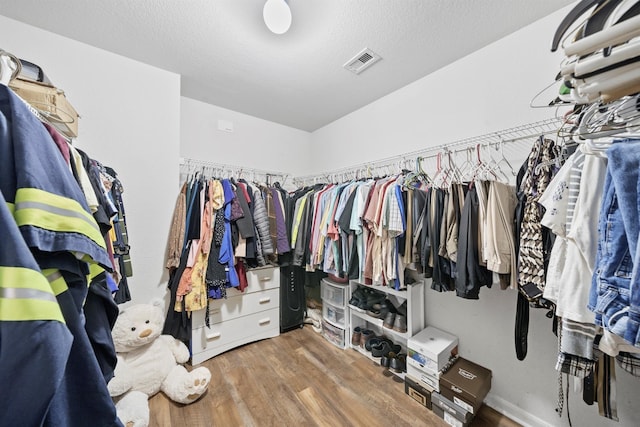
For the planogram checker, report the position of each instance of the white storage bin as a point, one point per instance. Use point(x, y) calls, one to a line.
point(333, 334)
point(334, 293)
point(333, 314)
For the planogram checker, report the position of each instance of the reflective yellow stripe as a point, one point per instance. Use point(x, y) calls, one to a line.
point(11, 207)
point(56, 213)
point(94, 270)
point(56, 281)
point(19, 310)
point(21, 277)
point(26, 295)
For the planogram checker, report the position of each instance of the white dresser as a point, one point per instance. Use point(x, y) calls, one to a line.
point(241, 318)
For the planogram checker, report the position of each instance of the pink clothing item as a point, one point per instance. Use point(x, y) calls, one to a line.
point(317, 217)
point(243, 187)
point(199, 250)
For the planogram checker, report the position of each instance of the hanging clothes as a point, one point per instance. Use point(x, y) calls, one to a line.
point(534, 242)
point(54, 222)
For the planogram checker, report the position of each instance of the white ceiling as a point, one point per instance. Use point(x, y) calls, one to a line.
point(227, 57)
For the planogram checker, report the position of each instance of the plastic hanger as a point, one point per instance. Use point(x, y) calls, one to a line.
point(575, 13)
point(622, 55)
point(615, 34)
point(10, 67)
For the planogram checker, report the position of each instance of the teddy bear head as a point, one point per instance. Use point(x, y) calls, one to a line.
point(137, 325)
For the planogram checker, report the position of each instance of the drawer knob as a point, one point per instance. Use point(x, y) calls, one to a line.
point(264, 321)
point(264, 279)
point(213, 336)
point(265, 300)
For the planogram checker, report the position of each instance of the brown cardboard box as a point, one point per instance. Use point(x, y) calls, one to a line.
point(466, 384)
point(451, 413)
point(417, 392)
point(51, 102)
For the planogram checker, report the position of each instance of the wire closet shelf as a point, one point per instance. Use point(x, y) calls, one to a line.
point(408, 160)
point(190, 166)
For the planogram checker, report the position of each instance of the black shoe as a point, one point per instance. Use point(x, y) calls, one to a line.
point(399, 363)
point(389, 320)
point(385, 360)
point(380, 348)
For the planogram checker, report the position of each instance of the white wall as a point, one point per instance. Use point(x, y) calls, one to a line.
point(254, 143)
point(130, 120)
point(487, 91)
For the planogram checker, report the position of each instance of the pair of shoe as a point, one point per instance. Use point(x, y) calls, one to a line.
point(381, 346)
point(361, 336)
point(395, 321)
point(395, 361)
point(380, 310)
point(365, 298)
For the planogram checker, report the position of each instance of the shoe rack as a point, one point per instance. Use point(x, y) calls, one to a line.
point(414, 298)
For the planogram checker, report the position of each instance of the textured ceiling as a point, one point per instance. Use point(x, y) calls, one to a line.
point(227, 57)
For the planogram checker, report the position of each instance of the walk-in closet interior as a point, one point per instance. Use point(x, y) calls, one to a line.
point(342, 212)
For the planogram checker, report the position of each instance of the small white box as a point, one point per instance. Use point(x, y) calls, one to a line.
point(431, 349)
point(430, 382)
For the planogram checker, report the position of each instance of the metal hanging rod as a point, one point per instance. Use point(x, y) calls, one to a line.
point(189, 165)
point(517, 133)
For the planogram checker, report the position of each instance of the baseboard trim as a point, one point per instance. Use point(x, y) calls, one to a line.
point(512, 411)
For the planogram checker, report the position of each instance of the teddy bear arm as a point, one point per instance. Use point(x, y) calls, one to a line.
point(177, 347)
point(122, 379)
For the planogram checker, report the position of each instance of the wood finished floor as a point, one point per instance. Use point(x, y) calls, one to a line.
point(300, 379)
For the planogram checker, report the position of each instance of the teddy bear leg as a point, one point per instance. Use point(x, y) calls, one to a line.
point(186, 387)
point(133, 409)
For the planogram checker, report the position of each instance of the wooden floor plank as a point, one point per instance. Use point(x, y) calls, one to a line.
point(300, 379)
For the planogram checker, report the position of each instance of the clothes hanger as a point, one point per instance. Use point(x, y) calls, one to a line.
point(467, 167)
point(503, 159)
point(438, 173)
point(626, 9)
point(10, 67)
point(625, 54)
point(575, 13)
point(619, 33)
point(421, 172)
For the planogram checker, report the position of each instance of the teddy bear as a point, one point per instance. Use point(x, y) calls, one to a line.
point(149, 362)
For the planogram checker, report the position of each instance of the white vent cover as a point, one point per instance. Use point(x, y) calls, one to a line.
point(362, 61)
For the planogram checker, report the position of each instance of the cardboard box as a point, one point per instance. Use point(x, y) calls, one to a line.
point(466, 384)
point(431, 381)
point(417, 392)
point(431, 349)
point(451, 413)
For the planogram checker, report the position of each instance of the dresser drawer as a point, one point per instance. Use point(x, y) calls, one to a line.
point(222, 310)
point(209, 342)
point(259, 279)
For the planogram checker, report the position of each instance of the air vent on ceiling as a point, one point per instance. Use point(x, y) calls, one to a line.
point(362, 61)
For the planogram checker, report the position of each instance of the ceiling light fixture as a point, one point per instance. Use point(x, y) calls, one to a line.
point(277, 16)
